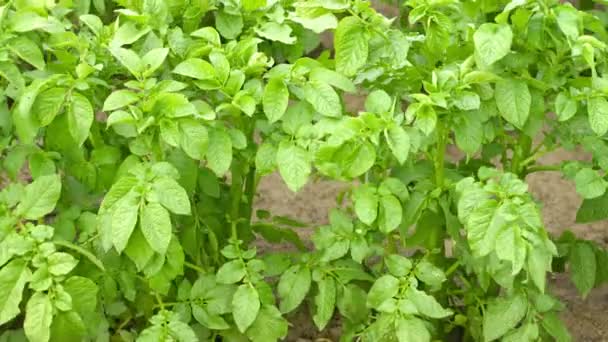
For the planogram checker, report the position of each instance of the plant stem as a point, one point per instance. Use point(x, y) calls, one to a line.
point(521, 152)
point(236, 192)
point(194, 267)
point(540, 168)
point(439, 158)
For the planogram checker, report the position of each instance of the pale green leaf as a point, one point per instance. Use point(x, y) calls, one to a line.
point(119, 99)
point(40, 197)
point(565, 106)
point(325, 301)
point(172, 195)
point(156, 226)
point(351, 44)
point(13, 277)
point(27, 50)
point(294, 165)
point(219, 151)
point(323, 98)
point(245, 306)
point(399, 143)
point(124, 218)
point(502, 315)
point(583, 267)
point(513, 100)
point(492, 42)
point(597, 107)
point(38, 317)
point(80, 118)
point(293, 287)
point(195, 68)
point(275, 99)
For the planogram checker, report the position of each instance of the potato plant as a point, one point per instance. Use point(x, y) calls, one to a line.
point(134, 134)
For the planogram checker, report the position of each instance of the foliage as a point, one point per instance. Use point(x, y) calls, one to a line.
point(134, 133)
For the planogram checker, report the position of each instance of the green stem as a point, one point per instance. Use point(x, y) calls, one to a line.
point(540, 168)
point(250, 190)
point(236, 192)
point(439, 158)
point(194, 267)
point(521, 151)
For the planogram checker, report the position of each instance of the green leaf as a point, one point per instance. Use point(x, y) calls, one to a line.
point(325, 301)
point(316, 19)
point(195, 68)
point(554, 326)
point(426, 119)
point(539, 263)
point(592, 210)
point(589, 183)
point(293, 287)
point(40, 197)
point(60, 263)
point(378, 101)
point(84, 294)
point(366, 203)
point(27, 50)
point(268, 326)
point(597, 107)
point(80, 118)
point(138, 249)
point(119, 99)
point(48, 104)
point(84, 252)
point(124, 218)
point(361, 160)
point(399, 143)
point(502, 315)
point(219, 151)
point(510, 246)
point(68, 327)
point(427, 305)
point(398, 265)
point(568, 21)
point(351, 303)
point(351, 45)
point(129, 60)
point(332, 78)
point(252, 5)
point(93, 22)
point(194, 139)
point(172, 196)
point(231, 272)
point(229, 25)
point(513, 100)
point(492, 42)
point(468, 131)
point(391, 213)
point(38, 317)
point(294, 165)
point(384, 288)
point(412, 330)
point(583, 267)
point(277, 32)
point(275, 99)
point(245, 306)
point(208, 320)
point(153, 59)
point(429, 273)
point(13, 277)
point(156, 226)
point(323, 98)
point(565, 106)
